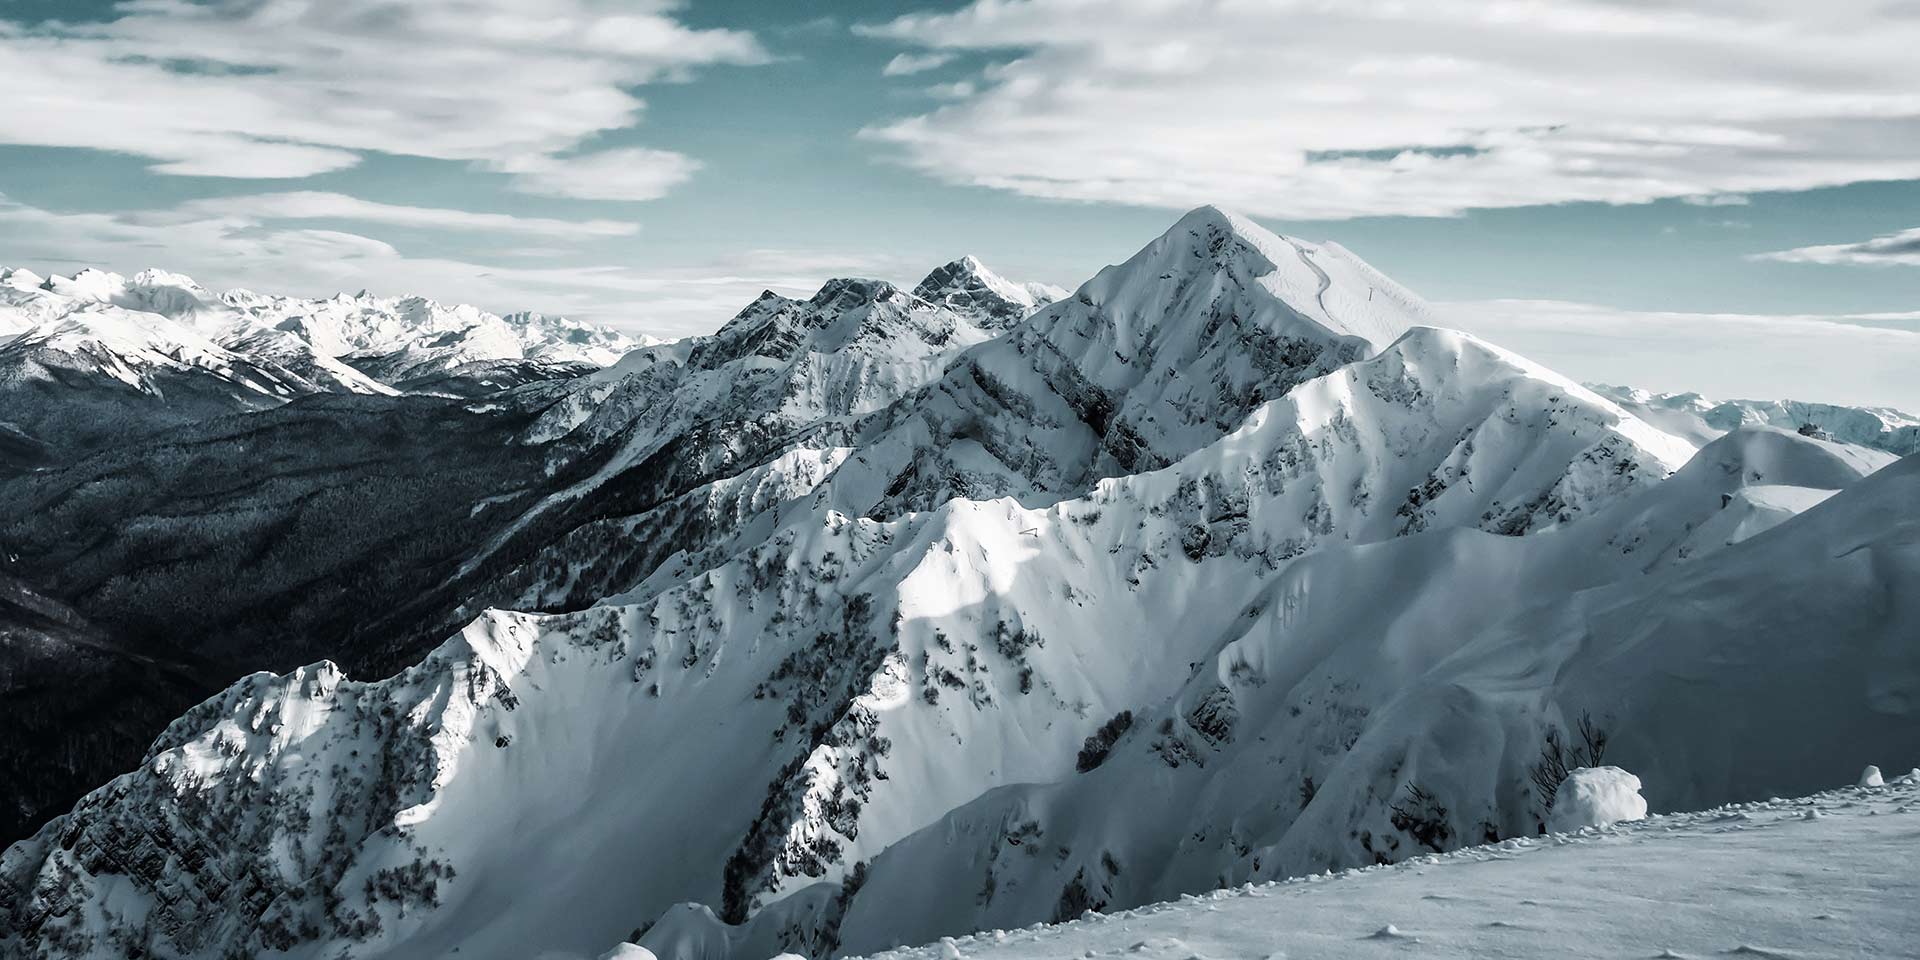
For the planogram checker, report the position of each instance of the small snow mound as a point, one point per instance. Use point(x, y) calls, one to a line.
point(789, 956)
point(1391, 932)
point(1870, 777)
point(948, 949)
point(629, 951)
point(1596, 797)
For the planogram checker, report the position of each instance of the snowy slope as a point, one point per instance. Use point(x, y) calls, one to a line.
point(1147, 362)
point(875, 673)
point(1690, 415)
point(1825, 876)
point(693, 439)
point(1232, 490)
point(1329, 732)
point(1150, 360)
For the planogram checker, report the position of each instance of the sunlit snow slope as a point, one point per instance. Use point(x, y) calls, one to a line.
point(1223, 568)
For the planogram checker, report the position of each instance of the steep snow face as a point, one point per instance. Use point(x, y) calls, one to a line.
point(685, 438)
point(1332, 732)
point(1147, 362)
point(968, 288)
point(927, 409)
point(1690, 415)
point(854, 347)
point(807, 705)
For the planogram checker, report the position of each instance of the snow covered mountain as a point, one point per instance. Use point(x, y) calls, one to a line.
point(992, 302)
point(1693, 416)
point(880, 619)
point(693, 439)
point(97, 355)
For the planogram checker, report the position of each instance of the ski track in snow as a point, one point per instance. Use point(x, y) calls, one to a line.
point(1326, 282)
point(1832, 875)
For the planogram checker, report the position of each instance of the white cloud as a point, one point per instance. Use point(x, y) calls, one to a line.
point(1718, 200)
point(907, 64)
point(314, 205)
point(1310, 109)
point(243, 242)
point(291, 88)
point(1857, 359)
point(1893, 249)
point(626, 174)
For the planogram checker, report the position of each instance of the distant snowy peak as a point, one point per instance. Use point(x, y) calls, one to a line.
point(395, 339)
point(852, 348)
point(968, 288)
point(872, 315)
point(1694, 416)
point(148, 352)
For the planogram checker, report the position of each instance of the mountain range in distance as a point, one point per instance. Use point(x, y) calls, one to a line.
point(879, 616)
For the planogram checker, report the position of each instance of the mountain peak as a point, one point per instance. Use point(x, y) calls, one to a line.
point(846, 291)
point(967, 287)
point(1208, 215)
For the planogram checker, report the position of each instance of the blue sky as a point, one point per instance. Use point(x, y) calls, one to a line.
point(653, 165)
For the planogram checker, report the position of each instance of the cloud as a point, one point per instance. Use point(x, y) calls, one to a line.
point(627, 174)
point(906, 64)
point(314, 205)
point(1893, 249)
point(1864, 359)
point(290, 88)
point(248, 242)
point(1717, 200)
point(1304, 109)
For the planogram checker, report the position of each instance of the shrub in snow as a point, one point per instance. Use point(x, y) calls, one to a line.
point(1094, 751)
point(1596, 797)
point(1870, 777)
point(1559, 756)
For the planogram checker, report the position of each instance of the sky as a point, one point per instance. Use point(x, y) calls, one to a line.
point(1716, 195)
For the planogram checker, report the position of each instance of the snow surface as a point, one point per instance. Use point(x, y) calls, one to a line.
point(1350, 579)
point(1830, 875)
point(1595, 797)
